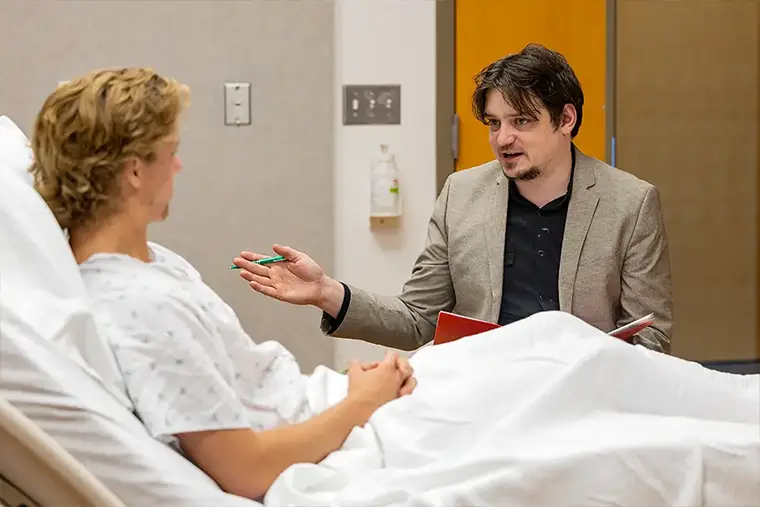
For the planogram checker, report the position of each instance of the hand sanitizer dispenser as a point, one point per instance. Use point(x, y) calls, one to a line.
point(385, 191)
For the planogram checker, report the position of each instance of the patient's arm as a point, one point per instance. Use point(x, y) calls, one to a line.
point(246, 463)
point(170, 357)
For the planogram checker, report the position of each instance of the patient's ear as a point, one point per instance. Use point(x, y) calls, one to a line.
point(131, 175)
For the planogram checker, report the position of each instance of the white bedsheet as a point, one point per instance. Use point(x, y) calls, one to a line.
point(546, 412)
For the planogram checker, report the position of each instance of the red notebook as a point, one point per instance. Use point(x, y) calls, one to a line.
point(626, 332)
point(452, 327)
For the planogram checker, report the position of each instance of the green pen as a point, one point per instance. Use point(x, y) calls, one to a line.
point(265, 260)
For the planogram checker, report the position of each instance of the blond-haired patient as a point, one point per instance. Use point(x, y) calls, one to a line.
point(105, 157)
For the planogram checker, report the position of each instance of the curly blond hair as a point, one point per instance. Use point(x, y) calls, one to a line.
point(89, 127)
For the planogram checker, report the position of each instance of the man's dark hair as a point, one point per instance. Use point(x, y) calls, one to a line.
point(533, 77)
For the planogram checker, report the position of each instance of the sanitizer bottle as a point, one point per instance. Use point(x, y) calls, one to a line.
point(386, 196)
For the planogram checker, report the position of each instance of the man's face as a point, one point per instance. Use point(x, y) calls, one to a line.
point(525, 146)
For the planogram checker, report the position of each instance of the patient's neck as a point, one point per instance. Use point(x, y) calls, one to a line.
point(118, 235)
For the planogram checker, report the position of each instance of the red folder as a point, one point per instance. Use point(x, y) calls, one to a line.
point(626, 332)
point(452, 327)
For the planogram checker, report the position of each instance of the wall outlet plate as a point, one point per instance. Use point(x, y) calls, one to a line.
point(371, 104)
point(237, 103)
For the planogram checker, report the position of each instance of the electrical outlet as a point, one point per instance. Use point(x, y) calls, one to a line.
point(237, 103)
point(371, 104)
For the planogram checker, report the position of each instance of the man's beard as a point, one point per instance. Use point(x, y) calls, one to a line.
point(531, 174)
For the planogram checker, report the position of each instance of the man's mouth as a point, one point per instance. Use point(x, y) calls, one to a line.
point(511, 155)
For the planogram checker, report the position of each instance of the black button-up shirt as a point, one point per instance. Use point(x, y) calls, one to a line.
point(532, 251)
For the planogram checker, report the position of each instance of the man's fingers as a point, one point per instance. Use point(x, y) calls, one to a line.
point(261, 280)
point(251, 256)
point(250, 266)
point(264, 289)
point(286, 251)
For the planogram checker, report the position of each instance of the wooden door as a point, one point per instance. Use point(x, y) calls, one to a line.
point(487, 30)
point(687, 121)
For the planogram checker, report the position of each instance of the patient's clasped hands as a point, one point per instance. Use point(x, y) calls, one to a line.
point(372, 385)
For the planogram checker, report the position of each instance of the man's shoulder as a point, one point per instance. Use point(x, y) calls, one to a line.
point(465, 187)
point(614, 180)
point(476, 176)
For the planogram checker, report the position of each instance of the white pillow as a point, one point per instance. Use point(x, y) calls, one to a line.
point(15, 154)
point(36, 257)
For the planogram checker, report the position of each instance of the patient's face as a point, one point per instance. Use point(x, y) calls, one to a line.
point(160, 179)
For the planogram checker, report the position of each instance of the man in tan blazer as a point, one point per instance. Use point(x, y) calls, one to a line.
point(542, 227)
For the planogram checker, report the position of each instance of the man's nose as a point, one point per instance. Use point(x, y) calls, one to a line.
point(506, 136)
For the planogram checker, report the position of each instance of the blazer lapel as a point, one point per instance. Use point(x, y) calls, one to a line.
point(583, 202)
point(496, 227)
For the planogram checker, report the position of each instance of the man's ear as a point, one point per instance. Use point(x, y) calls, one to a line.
point(568, 119)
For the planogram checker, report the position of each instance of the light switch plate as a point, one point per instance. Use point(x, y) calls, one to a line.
point(237, 103)
point(371, 104)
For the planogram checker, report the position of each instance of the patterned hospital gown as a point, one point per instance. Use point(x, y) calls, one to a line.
point(187, 363)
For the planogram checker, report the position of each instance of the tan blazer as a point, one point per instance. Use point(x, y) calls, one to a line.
point(614, 264)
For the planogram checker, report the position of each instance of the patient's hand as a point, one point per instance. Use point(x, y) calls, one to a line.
point(409, 383)
point(372, 386)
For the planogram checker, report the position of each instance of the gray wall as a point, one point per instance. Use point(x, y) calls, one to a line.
point(241, 188)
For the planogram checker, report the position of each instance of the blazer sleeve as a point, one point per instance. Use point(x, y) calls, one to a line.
point(408, 320)
point(646, 279)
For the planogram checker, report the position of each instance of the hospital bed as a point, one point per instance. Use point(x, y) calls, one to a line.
point(35, 471)
point(64, 415)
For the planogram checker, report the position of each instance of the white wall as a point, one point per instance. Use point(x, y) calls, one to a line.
point(383, 42)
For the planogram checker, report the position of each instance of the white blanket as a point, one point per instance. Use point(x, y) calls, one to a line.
point(545, 412)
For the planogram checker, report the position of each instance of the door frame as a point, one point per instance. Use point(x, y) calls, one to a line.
point(610, 99)
point(445, 89)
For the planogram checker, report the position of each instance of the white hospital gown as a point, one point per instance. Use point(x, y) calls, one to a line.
point(187, 363)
